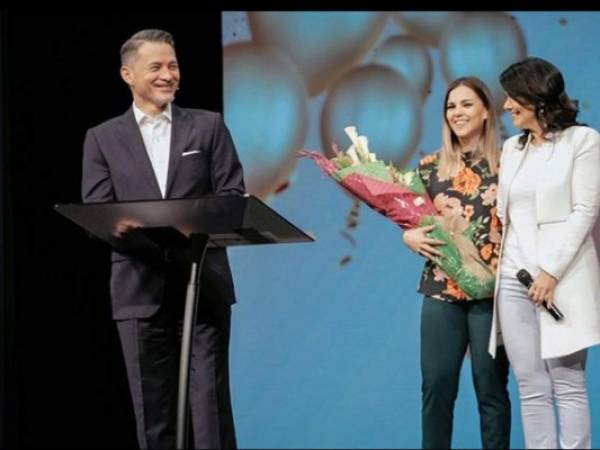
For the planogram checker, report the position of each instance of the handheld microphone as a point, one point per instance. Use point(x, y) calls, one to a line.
point(525, 278)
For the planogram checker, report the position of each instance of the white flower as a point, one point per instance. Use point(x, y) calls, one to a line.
point(359, 147)
point(352, 134)
point(418, 201)
point(351, 152)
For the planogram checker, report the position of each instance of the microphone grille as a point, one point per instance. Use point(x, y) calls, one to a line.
point(524, 277)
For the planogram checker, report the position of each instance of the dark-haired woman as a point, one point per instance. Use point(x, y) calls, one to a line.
point(548, 201)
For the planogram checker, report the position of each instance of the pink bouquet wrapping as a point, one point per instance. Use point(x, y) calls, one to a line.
point(401, 197)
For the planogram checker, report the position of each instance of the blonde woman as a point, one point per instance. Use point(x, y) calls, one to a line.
point(461, 178)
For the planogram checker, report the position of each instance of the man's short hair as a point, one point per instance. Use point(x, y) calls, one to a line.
point(130, 48)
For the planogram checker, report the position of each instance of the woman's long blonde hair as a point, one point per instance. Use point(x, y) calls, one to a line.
point(487, 147)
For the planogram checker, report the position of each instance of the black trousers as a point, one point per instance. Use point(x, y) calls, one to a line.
point(151, 348)
point(446, 331)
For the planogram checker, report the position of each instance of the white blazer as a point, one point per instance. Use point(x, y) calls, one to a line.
point(567, 200)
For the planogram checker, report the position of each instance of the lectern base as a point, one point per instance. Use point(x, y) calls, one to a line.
point(199, 243)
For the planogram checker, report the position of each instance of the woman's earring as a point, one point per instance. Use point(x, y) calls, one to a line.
point(542, 108)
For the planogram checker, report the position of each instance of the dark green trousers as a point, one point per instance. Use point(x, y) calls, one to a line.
point(446, 331)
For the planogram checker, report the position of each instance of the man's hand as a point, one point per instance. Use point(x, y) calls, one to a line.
point(124, 226)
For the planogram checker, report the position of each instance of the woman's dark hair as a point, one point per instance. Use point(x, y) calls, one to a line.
point(537, 83)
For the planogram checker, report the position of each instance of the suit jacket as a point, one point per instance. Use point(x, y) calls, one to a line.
point(567, 198)
point(116, 167)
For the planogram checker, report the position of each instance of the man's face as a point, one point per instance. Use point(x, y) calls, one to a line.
point(153, 76)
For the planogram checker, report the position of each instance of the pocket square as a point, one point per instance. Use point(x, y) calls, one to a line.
point(191, 152)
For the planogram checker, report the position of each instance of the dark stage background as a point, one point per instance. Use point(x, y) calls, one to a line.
point(63, 379)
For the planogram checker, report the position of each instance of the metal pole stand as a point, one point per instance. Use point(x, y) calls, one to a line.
point(199, 243)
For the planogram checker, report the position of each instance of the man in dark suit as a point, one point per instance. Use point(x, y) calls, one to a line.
point(157, 150)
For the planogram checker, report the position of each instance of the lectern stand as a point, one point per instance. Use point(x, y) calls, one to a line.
point(189, 224)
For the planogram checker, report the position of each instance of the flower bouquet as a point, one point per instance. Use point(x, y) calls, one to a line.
point(400, 195)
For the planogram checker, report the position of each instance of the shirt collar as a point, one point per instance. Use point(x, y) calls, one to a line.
point(141, 116)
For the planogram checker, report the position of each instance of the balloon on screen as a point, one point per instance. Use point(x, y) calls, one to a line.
point(411, 58)
point(383, 106)
point(427, 26)
point(265, 107)
point(322, 44)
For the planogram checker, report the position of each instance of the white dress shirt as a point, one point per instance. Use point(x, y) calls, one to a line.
point(520, 244)
point(156, 132)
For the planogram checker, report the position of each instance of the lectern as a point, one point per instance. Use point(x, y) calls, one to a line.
point(193, 225)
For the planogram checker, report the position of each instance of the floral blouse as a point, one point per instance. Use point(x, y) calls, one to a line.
point(472, 194)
